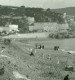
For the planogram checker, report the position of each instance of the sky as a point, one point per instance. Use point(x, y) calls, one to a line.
point(52, 4)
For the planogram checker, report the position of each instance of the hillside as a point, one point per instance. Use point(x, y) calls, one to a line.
point(40, 14)
point(16, 63)
point(68, 10)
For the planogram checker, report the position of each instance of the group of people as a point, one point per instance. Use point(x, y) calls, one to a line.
point(32, 51)
point(56, 48)
point(39, 46)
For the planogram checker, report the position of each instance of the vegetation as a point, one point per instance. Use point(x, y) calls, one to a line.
point(60, 35)
point(40, 15)
point(68, 10)
point(7, 14)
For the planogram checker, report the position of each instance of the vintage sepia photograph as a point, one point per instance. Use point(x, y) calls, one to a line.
point(37, 39)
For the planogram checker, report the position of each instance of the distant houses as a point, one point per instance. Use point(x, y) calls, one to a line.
point(52, 27)
point(10, 27)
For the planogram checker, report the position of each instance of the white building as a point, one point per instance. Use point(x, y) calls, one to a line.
point(13, 28)
point(48, 27)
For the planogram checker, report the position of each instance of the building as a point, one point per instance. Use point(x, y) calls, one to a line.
point(31, 20)
point(41, 26)
point(13, 28)
point(9, 28)
point(48, 27)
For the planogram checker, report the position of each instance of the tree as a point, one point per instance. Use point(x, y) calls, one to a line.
point(5, 11)
point(23, 25)
point(20, 11)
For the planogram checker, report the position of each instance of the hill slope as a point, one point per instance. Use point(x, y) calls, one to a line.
point(68, 10)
